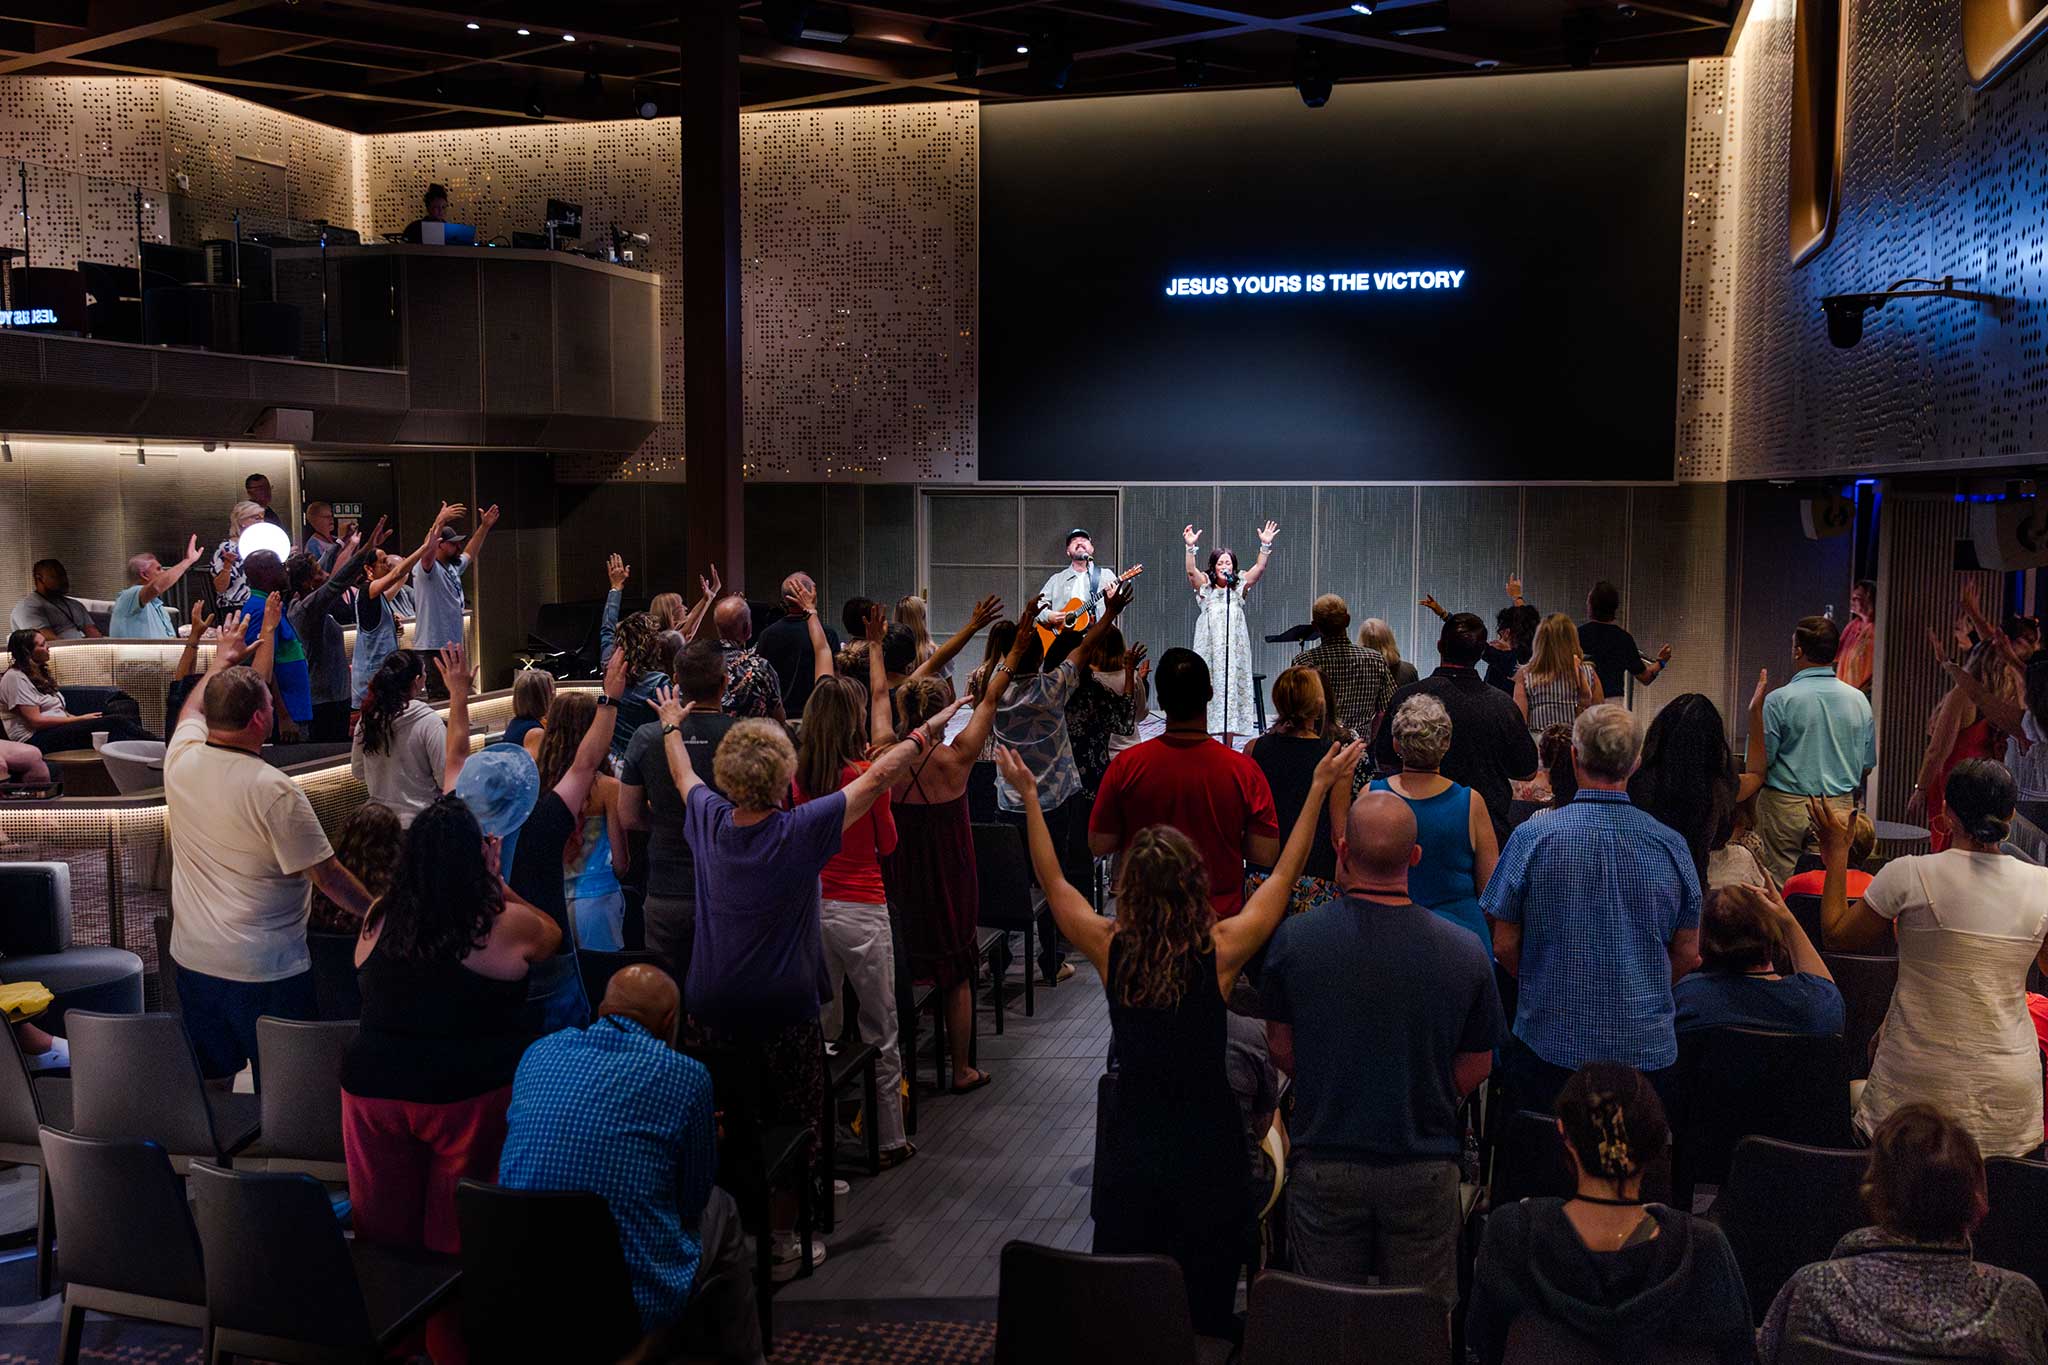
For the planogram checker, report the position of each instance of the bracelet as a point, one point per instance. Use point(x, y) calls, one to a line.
point(917, 737)
point(1001, 668)
point(1265, 547)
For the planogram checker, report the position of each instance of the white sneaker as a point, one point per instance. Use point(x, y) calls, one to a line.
point(786, 1255)
point(57, 1058)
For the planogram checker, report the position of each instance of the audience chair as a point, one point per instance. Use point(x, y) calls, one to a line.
point(981, 792)
point(1003, 869)
point(27, 1102)
point(1783, 1206)
point(2014, 1234)
point(987, 954)
point(1537, 1340)
point(1866, 982)
point(513, 1245)
point(1529, 1159)
point(754, 1158)
point(35, 945)
point(1740, 1082)
point(283, 1284)
point(913, 1000)
point(1299, 1321)
point(335, 991)
point(130, 1247)
point(1081, 1309)
point(598, 966)
point(1805, 1350)
point(136, 1076)
point(1806, 909)
point(301, 1099)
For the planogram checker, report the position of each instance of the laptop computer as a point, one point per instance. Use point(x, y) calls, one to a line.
point(446, 234)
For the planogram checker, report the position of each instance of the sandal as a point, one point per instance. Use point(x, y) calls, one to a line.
point(981, 1078)
point(893, 1157)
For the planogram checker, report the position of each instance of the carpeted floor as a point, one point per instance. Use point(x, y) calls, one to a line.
point(896, 1343)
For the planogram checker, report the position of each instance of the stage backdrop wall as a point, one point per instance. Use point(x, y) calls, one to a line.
point(1936, 179)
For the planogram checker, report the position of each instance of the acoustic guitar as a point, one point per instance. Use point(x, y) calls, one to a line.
point(1046, 634)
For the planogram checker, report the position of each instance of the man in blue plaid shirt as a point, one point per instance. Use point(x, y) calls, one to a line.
point(615, 1110)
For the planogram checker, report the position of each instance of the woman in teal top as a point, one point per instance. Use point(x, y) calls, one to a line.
point(1451, 823)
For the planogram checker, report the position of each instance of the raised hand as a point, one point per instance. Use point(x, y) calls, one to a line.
point(273, 612)
point(805, 597)
point(1971, 599)
point(1429, 600)
point(1832, 828)
point(935, 728)
point(987, 612)
point(1116, 599)
point(671, 710)
point(615, 673)
point(380, 533)
point(192, 547)
point(1133, 657)
point(618, 570)
point(196, 627)
point(454, 665)
point(1664, 655)
point(874, 625)
point(1014, 772)
point(450, 511)
point(1189, 535)
point(711, 585)
point(1763, 685)
point(1339, 763)
point(1514, 588)
point(1036, 605)
point(1268, 531)
point(230, 648)
point(489, 517)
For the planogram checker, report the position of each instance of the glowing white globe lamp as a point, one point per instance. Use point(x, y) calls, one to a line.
point(264, 536)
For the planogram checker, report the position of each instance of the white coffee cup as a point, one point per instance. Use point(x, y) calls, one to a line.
point(100, 738)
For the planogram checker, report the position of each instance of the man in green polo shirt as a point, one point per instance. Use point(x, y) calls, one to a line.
point(1818, 740)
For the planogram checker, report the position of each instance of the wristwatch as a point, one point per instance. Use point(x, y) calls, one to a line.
point(606, 699)
point(670, 729)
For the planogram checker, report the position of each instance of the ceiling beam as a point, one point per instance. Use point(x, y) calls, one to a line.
point(114, 25)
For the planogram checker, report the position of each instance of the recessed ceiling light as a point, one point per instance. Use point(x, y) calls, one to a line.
point(526, 33)
point(1023, 49)
point(568, 37)
point(472, 26)
point(1486, 63)
point(1361, 7)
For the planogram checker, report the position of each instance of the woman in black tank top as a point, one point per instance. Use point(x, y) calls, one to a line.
point(442, 964)
point(1171, 1176)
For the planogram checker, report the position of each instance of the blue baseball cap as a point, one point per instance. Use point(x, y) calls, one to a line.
point(500, 786)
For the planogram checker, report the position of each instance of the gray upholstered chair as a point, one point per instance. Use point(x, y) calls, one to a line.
point(35, 945)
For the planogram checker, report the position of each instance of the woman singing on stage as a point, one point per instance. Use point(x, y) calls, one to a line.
point(1220, 635)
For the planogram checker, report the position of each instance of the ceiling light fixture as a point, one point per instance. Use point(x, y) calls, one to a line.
point(1312, 79)
point(1023, 49)
point(472, 26)
point(1360, 7)
point(526, 33)
point(568, 37)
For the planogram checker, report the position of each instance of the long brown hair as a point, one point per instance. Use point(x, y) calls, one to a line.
point(569, 717)
point(21, 650)
point(835, 723)
point(1163, 917)
point(640, 636)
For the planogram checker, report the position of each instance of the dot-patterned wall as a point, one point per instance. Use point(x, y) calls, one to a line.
point(859, 233)
point(1937, 179)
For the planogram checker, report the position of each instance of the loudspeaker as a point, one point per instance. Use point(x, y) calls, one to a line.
point(1826, 515)
point(2010, 536)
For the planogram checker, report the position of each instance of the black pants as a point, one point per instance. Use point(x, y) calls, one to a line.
point(78, 734)
point(1533, 1083)
point(1079, 870)
point(720, 1323)
point(430, 665)
point(329, 724)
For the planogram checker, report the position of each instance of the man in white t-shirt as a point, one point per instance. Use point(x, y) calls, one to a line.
point(246, 850)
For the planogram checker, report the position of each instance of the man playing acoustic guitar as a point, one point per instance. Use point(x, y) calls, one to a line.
point(1075, 594)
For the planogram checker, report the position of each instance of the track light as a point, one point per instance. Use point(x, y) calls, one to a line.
point(525, 32)
point(1845, 311)
point(568, 37)
point(472, 26)
point(786, 18)
point(1311, 74)
point(645, 101)
point(1360, 7)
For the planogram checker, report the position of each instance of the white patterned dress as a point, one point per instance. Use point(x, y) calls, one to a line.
point(1220, 632)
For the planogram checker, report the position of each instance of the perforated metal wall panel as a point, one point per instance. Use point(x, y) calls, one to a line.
point(1365, 553)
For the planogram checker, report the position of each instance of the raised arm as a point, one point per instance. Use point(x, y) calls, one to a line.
point(987, 612)
point(1942, 728)
point(455, 676)
point(889, 766)
point(385, 584)
point(228, 556)
point(1244, 933)
point(189, 659)
point(1522, 692)
point(474, 546)
point(1071, 910)
point(672, 714)
point(1113, 603)
point(617, 571)
point(164, 579)
point(1258, 569)
point(265, 657)
point(881, 721)
point(1196, 578)
point(1755, 762)
point(2008, 715)
point(709, 586)
point(227, 652)
point(350, 562)
point(806, 598)
point(1654, 668)
point(574, 788)
point(1137, 669)
point(1846, 925)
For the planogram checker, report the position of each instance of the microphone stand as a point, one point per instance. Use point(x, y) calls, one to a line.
point(1229, 692)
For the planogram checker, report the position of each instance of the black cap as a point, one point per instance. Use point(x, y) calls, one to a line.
point(1077, 531)
point(449, 533)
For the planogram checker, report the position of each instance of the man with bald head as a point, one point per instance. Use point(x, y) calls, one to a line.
point(615, 1110)
point(786, 644)
point(1386, 1016)
point(752, 687)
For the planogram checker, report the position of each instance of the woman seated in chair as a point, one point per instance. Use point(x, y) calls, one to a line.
point(1603, 1264)
point(1908, 1284)
point(1757, 970)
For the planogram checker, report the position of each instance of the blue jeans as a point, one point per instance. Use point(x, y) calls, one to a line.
point(220, 1016)
point(554, 995)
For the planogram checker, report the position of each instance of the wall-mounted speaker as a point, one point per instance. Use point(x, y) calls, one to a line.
point(2011, 535)
point(1826, 515)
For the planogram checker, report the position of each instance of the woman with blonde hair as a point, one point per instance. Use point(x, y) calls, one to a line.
point(911, 611)
point(229, 587)
point(533, 692)
point(1557, 683)
point(1452, 825)
point(597, 854)
point(1959, 730)
point(1171, 1178)
point(1288, 754)
point(1375, 633)
point(668, 609)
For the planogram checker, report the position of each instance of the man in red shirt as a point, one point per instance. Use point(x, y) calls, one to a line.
point(1206, 790)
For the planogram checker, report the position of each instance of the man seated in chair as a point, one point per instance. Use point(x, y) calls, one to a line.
point(49, 609)
point(615, 1110)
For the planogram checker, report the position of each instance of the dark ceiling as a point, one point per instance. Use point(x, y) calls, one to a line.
point(396, 65)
